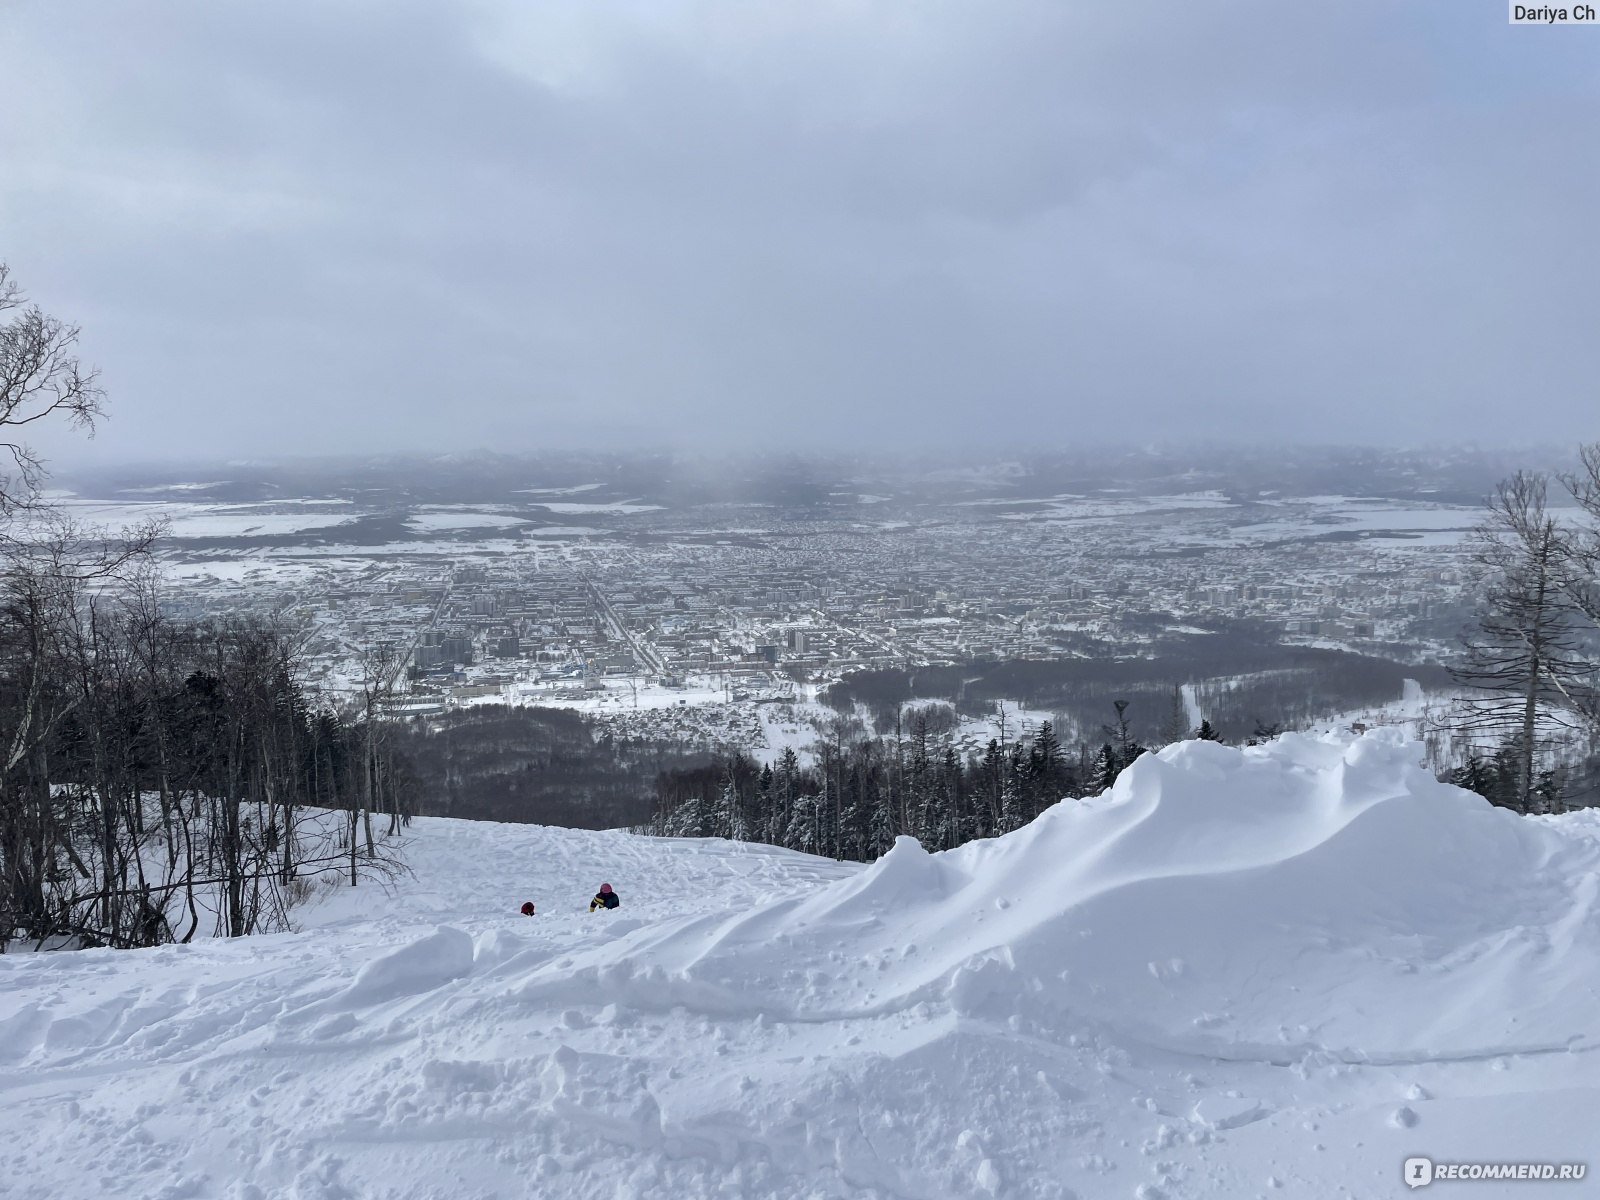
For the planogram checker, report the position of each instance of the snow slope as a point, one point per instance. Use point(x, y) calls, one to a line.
point(1288, 967)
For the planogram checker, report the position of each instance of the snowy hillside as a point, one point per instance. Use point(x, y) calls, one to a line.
point(1288, 967)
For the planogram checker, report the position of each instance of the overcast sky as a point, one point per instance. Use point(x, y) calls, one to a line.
point(332, 225)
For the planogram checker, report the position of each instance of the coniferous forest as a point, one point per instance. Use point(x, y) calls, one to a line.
point(864, 790)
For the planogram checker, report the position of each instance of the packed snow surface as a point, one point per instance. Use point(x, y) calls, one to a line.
point(1286, 967)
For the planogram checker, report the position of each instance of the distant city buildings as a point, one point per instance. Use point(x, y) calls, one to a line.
point(818, 595)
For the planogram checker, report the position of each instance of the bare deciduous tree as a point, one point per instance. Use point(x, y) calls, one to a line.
point(152, 775)
point(40, 378)
point(1583, 540)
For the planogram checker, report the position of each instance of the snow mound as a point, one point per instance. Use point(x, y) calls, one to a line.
point(419, 966)
point(1289, 967)
point(1314, 895)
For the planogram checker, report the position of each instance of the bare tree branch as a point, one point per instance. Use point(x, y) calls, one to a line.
point(40, 378)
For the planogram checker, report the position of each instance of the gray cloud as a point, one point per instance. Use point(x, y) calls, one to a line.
point(340, 225)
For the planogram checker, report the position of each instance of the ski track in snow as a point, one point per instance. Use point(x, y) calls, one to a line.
point(1276, 971)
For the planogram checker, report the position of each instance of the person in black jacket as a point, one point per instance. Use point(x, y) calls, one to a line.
point(604, 898)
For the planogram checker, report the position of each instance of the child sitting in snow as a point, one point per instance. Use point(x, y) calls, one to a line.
point(604, 898)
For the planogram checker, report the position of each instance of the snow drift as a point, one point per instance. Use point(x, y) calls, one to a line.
point(1288, 965)
point(1261, 903)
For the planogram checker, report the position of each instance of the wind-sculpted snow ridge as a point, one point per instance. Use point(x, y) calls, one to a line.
point(1289, 966)
point(1308, 895)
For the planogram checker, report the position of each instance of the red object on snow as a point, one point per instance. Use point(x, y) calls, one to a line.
point(605, 889)
point(527, 909)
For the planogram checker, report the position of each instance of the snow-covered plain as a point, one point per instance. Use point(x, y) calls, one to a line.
point(435, 520)
point(201, 519)
point(573, 506)
point(1287, 967)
